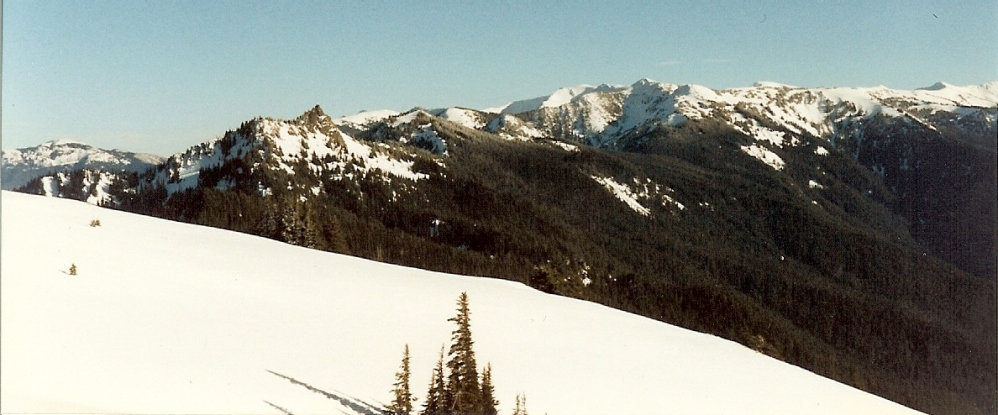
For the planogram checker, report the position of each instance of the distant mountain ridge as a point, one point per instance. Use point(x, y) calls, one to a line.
point(23, 164)
point(601, 115)
point(607, 115)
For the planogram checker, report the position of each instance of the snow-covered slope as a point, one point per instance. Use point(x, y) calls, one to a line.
point(165, 317)
point(95, 185)
point(362, 118)
point(462, 116)
point(557, 98)
point(23, 164)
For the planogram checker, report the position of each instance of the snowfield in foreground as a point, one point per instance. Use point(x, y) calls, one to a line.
point(165, 317)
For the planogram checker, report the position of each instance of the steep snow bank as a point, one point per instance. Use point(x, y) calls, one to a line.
point(165, 317)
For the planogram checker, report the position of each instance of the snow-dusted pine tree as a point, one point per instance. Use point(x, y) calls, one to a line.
point(434, 404)
point(489, 401)
point(403, 399)
point(521, 405)
point(463, 393)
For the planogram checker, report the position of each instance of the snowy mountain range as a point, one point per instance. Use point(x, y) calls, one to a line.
point(24, 164)
point(849, 231)
point(605, 115)
point(898, 135)
point(616, 117)
point(774, 118)
point(174, 327)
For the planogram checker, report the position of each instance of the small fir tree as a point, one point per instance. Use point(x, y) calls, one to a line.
point(489, 401)
point(434, 404)
point(72, 269)
point(463, 393)
point(402, 402)
point(521, 405)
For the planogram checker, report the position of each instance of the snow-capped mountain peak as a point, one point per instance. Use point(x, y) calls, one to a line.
point(362, 118)
point(936, 86)
point(23, 164)
point(60, 142)
point(771, 84)
point(463, 116)
point(310, 144)
point(565, 95)
point(558, 98)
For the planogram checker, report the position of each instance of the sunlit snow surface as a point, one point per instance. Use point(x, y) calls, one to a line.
point(764, 155)
point(462, 116)
point(361, 118)
point(623, 193)
point(165, 317)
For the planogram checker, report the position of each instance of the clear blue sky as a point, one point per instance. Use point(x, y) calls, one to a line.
point(159, 76)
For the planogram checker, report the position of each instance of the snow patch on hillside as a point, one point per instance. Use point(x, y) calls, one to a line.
point(427, 137)
point(513, 128)
point(639, 190)
point(99, 193)
point(623, 193)
point(408, 117)
point(752, 128)
point(764, 155)
point(50, 184)
point(185, 168)
point(571, 148)
point(376, 161)
point(465, 117)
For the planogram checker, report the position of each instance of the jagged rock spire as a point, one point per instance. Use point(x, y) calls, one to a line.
point(313, 115)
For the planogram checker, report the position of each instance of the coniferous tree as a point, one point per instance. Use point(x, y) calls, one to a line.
point(402, 402)
point(434, 404)
point(489, 401)
point(521, 405)
point(463, 393)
